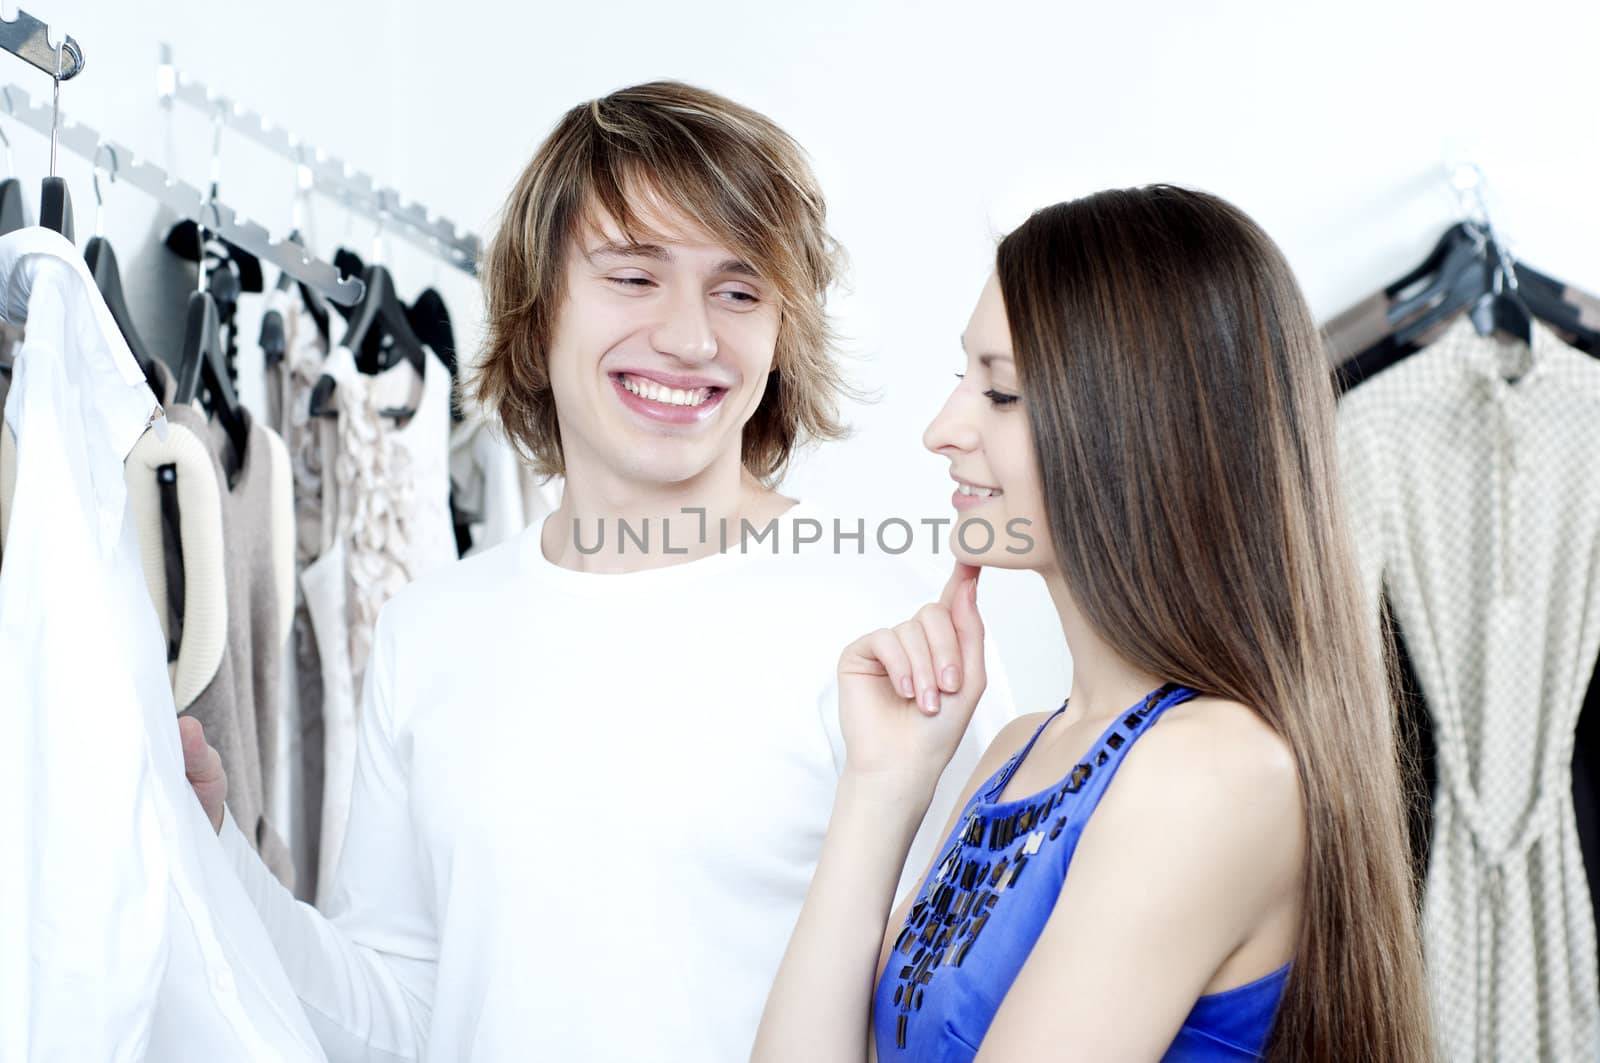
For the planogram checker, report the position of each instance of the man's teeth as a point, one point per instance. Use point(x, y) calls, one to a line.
point(977, 492)
point(649, 389)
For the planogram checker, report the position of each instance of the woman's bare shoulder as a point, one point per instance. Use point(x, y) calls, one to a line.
point(1217, 767)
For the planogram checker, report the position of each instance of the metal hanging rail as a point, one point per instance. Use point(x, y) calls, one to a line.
point(186, 200)
point(330, 175)
point(29, 40)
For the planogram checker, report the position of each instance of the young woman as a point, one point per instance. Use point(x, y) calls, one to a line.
point(1200, 855)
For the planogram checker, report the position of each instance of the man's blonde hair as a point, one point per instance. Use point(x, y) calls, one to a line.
point(724, 167)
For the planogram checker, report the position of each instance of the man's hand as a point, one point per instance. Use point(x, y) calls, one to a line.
point(204, 768)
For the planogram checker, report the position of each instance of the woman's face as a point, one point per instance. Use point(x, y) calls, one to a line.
point(983, 431)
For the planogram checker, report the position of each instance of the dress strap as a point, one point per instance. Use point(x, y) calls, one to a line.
point(1103, 758)
point(1010, 768)
point(1090, 778)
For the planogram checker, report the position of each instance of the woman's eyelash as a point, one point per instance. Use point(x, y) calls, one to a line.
point(999, 398)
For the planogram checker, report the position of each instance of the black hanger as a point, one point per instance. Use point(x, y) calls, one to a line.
point(430, 320)
point(273, 341)
point(379, 314)
point(314, 304)
point(1473, 275)
point(55, 207)
point(1458, 250)
point(203, 362)
point(1460, 272)
point(349, 264)
point(1430, 265)
point(1462, 264)
point(102, 262)
point(1547, 298)
point(183, 240)
point(13, 207)
point(229, 271)
point(1502, 308)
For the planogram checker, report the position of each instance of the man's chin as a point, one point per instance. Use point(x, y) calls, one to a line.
point(668, 466)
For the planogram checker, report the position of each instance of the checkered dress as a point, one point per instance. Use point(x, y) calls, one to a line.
point(1473, 474)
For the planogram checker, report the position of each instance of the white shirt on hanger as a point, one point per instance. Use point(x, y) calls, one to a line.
point(587, 807)
point(124, 935)
point(485, 483)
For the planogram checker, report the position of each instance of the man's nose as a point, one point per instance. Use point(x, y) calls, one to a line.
point(685, 330)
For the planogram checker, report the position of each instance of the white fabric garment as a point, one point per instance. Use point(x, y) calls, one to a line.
point(289, 383)
point(124, 935)
point(485, 483)
point(588, 807)
point(540, 496)
point(1475, 504)
point(386, 499)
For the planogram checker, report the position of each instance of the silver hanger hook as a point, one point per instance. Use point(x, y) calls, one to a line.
point(55, 102)
point(211, 197)
point(1472, 199)
point(209, 206)
point(111, 177)
point(1508, 268)
point(1467, 180)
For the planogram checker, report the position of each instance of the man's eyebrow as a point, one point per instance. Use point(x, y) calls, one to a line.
point(739, 266)
point(659, 253)
point(616, 249)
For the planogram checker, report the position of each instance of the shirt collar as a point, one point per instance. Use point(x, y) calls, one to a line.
point(1490, 358)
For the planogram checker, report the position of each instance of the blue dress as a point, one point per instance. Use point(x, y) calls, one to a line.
point(978, 915)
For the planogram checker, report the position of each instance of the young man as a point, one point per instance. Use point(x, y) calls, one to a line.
point(596, 763)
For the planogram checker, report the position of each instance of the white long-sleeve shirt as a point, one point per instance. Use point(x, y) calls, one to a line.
point(124, 934)
point(588, 807)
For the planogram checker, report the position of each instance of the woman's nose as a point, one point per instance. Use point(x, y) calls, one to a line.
point(952, 428)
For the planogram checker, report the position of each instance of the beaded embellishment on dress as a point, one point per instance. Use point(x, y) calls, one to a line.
point(986, 858)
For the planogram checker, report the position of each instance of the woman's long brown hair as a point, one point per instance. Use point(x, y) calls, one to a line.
point(1183, 418)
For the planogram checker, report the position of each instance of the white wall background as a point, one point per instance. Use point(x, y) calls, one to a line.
point(935, 127)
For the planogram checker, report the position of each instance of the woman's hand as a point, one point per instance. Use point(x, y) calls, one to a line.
point(895, 752)
point(203, 766)
point(906, 693)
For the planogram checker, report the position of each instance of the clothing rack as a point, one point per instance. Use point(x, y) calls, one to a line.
point(332, 176)
point(186, 200)
point(29, 40)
